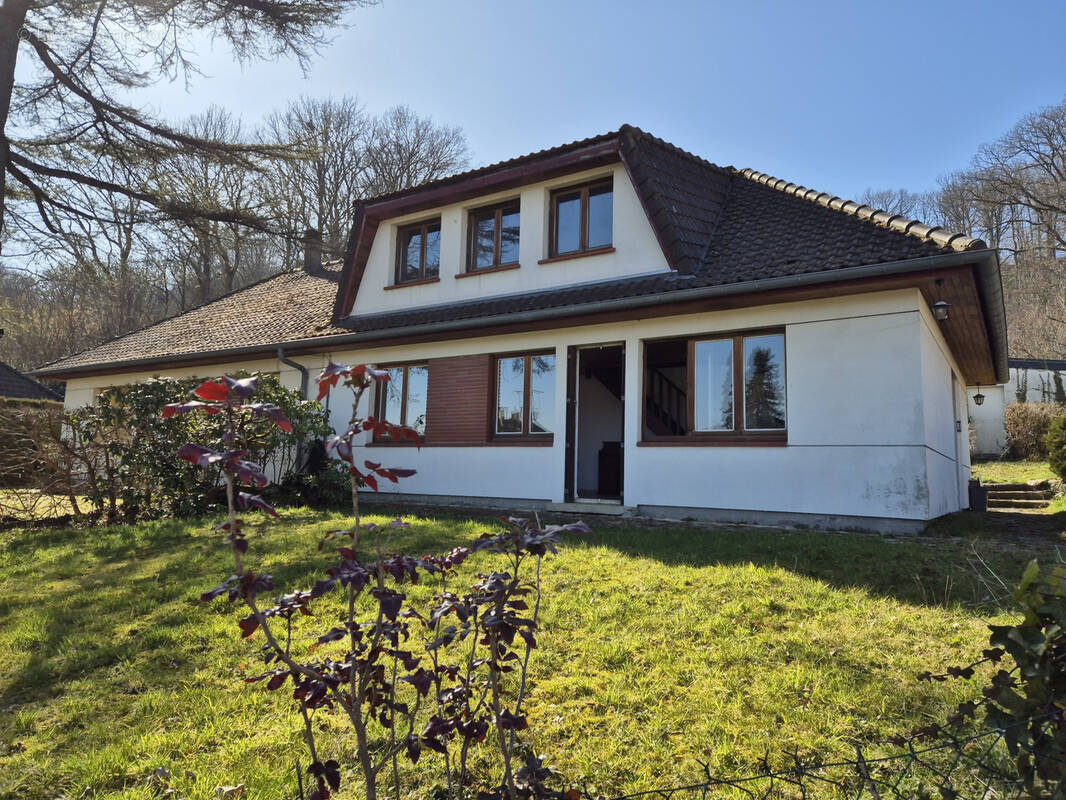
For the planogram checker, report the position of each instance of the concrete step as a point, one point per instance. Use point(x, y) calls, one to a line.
point(1035, 494)
point(1018, 503)
point(1018, 487)
point(614, 509)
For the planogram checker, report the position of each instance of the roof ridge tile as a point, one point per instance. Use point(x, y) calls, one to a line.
point(959, 242)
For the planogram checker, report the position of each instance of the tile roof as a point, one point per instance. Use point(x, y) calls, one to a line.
point(15, 385)
point(717, 226)
point(294, 304)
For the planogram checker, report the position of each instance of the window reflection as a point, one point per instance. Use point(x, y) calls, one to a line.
point(601, 214)
point(714, 385)
point(542, 394)
point(568, 223)
point(582, 218)
point(417, 392)
point(764, 384)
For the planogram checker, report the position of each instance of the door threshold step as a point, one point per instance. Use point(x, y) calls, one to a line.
point(612, 508)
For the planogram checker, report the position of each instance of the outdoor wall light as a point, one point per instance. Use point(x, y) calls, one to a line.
point(978, 399)
point(940, 310)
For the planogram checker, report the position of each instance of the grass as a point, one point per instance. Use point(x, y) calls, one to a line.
point(1012, 471)
point(662, 647)
point(27, 504)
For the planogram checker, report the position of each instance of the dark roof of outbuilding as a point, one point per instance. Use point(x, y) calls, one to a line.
point(15, 385)
point(718, 226)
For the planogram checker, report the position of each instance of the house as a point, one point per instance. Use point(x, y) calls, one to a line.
point(1030, 380)
point(16, 386)
point(617, 323)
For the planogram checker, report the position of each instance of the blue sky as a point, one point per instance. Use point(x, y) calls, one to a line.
point(838, 96)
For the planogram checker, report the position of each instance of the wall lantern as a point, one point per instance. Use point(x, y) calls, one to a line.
point(940, 310)
point(978, 399)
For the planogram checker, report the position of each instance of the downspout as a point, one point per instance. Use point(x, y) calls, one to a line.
point(304, 378)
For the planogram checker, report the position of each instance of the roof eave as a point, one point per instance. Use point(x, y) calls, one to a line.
point(987, 273)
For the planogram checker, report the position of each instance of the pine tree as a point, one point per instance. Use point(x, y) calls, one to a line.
point(763, 400)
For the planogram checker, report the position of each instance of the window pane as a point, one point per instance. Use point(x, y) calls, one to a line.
point(393, 395)
point(714, 385)
point(568, 223)
point(764, 382)
point(510, 388)
point(509, 236)
point(417, 385)
point(601, 215)
point(542, 394)
point(432, 252)
point(484, 240)
point(412, 255)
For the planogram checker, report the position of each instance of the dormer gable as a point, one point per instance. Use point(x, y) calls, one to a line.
point(579, 227)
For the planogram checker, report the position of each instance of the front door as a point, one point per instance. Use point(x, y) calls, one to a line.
point(595, 420)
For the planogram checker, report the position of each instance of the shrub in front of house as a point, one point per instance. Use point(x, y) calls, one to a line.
point(115, 457)
point(1055, 444)
point(1026, 427)
point(448, 677)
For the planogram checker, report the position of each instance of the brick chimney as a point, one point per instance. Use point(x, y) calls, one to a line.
point(312, 250)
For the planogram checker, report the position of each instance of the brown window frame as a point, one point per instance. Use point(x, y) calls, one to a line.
point(381, 395)
point(738, 436)
point(471, 236)
point(525, 434)
point(424, 228)
point(583, 238)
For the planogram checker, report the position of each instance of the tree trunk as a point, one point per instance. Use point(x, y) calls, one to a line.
point(12, 16)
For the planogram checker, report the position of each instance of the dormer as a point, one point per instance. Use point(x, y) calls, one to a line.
point(578, 227)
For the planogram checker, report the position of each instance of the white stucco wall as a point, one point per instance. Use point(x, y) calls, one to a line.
point(81, 391)
point(869, 404)
point(637, 250)
point(990, 437)
point(1038, 384)
point(862, 437)
point(988, 418)
point(946, 430)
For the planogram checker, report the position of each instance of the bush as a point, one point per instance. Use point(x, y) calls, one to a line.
point(118, 452)
point(1055, 443)
point(141, 443)
point(1026, 428)
point(21, 466)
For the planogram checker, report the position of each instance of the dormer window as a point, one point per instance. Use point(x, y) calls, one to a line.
point(418, 252)
point(582, 218)
point(493, 237)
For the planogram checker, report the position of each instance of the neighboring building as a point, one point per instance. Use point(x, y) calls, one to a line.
point(16, 386)
point(618, 322)
point(1034, 380)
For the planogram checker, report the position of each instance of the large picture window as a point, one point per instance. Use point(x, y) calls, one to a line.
point(525, 395)
point(494, 234)
point(418, 253)
point(728, 388)
point(402, 398)
point(582, 219)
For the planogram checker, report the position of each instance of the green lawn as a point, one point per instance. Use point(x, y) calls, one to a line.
point(1012, 471)
point(661, 647)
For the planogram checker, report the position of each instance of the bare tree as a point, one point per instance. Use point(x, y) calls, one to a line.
point(915, 205)
point(347, 155)
point(1026, 169)
point(65, 120)
point(318, 189)
point(221, 254)
point(405, 150)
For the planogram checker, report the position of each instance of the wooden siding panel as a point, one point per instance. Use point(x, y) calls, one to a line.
point(457, 410)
